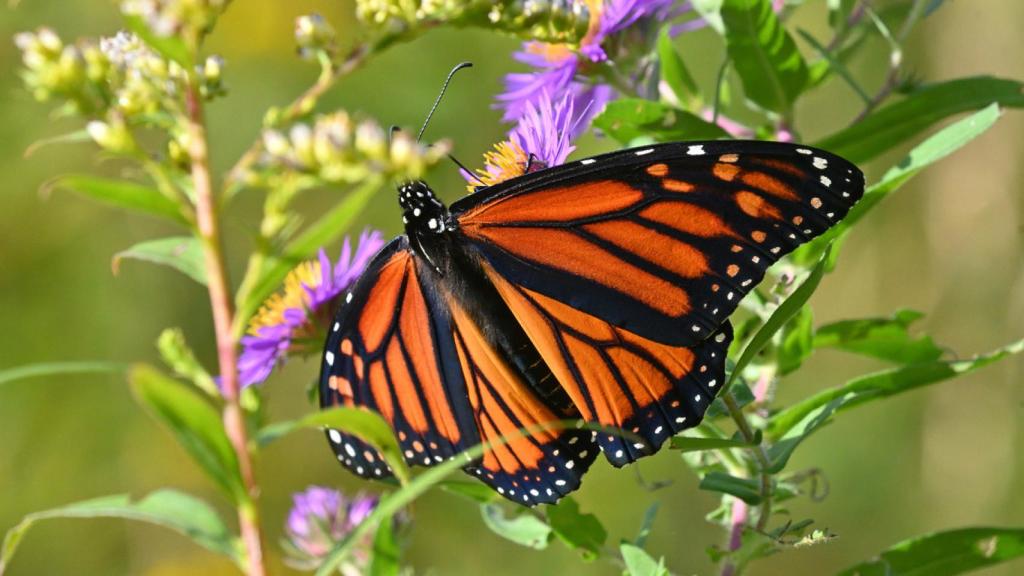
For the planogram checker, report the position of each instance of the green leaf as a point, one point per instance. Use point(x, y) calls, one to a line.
point(179, 357)
point(711, 12)
point(319, 234)
point(121, 193)
point(780, 452)
point(387, 553)
point(524, 529)
point(883, 384)
point(743, 488)
point(884, 338)
point(578, 531)
point(195, 424)
point(180, 512)
point(766, 58)
point(786, 310)
point(170, 47)
point(797, 341)
point(183, 253)
point(691, 444)
point(832, 64)
point(639, 562)
point(367, 425)
point(945, 553)
point(475, 491)
point(647, 524)
point(935, 148)
point(45, 369)
point(629, 118)
point(675, 74)
point(896, 123)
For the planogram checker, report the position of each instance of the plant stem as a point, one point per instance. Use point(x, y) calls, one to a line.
point(220, 302)
point(760, 455)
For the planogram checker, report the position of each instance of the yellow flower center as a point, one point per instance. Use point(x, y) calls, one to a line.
point(292, 296)
point(506, 161)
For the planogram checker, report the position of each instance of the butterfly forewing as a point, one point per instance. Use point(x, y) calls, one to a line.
point(383, 353)
point(661, 241)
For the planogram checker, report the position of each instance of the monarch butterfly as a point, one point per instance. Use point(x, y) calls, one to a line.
point(598, 290)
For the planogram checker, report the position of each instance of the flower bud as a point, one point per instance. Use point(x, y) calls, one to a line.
point(112, 136)
point(313, 34)
point(321, 518)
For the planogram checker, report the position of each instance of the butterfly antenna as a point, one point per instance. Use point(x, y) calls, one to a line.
point(467, 170)
point(440, 96)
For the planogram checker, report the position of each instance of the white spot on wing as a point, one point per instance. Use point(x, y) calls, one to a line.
point(335, 436)
point(329, 356)
point(644, 151)
point(804, 151)
point(820, 163)
point(826, 180)
point(695, 150)
point(587, 161)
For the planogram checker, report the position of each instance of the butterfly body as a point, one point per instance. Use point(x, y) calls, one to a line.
point(598, 291)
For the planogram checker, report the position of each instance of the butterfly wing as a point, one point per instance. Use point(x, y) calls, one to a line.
point(616, 378)
point(623, 269)
point(386, 352)
point(405, 348)
point(661, 241)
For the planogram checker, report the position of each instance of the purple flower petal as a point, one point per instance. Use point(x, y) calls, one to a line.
point(269, 346)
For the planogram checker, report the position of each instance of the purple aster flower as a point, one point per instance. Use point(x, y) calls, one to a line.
point(302, 308)
point(557, 67)
point(321, 518)
point(542, 138)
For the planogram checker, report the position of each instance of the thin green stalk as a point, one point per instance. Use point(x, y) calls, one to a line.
point(760, 456)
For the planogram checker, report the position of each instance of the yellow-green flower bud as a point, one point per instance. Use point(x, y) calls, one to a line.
point(112, 136)
point(313, 34)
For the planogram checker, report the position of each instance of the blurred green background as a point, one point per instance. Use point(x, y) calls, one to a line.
point(950, 244)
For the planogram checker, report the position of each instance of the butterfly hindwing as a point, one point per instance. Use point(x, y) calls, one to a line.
point(617, 379)
point(662, 241)
point(539, 466)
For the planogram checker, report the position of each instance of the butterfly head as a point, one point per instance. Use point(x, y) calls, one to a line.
point(422, 213)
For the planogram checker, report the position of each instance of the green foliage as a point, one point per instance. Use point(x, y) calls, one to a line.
point(639, 563)
point(764, 55)
point(920, 110)
point(122, 194)
point(885, 383)
point(368, 426)
point(49, 369)
point(523, 528)
point(182, 253)
point(195, 424)
point(945, 553)
point(884, 338)
point(628, 119)
point(576, 530)
point(745, 489)
point(171, 509)
point(935, 148)
point(779, 317)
